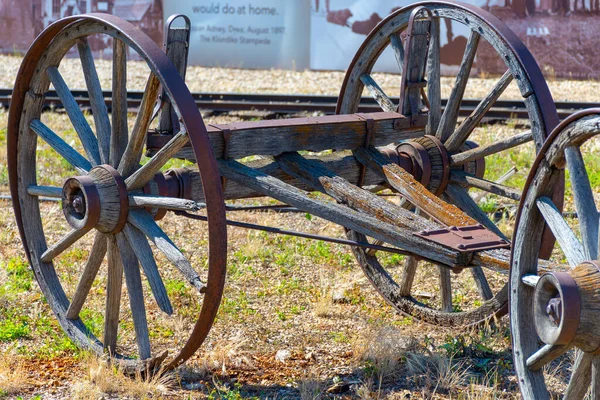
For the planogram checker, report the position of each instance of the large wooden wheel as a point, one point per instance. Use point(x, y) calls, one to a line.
point(102, 193)
point(557, 312)
point(443, 159)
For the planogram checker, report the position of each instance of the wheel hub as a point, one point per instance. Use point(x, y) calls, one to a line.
point(97, 200)
point(427, 160)
point(567, 307)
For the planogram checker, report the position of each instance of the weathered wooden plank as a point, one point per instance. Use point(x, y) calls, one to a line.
point(445, 289)
point(581, 377)
point(450, 115)
point(143, 253)
point(133, 280)
point(567, 240)
point(99, 110)
point(587, 213)
point(434, 91)
point(546, 354)
point(87, 276)
point(465, 179)
point(313, 173)
point(414, 68)
point(377, 93)
point(169, 203)
point(484, 151)
point(337, 213)
point(462, 133)
point(114, 283)
point(83, 129)
point(330, 132)
point(133, 151)
point(145, 223)
point(595, 393)
point(177, 47)
point(412, 190)
point(461, 198)
point(64, 243)
point(60, 146)
point(119, 133)
point(139, 178)
point(340, 163)
point(408, 276)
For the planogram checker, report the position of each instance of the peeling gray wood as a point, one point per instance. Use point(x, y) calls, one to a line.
point(484, 151)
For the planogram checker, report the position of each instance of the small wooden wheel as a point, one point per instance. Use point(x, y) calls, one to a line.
point(100, 172)
point(453, 163)
point(554, 311)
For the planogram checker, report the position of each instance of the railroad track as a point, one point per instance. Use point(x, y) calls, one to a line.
point(296, 103)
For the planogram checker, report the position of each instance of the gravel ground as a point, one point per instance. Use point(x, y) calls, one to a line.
point(202, 79)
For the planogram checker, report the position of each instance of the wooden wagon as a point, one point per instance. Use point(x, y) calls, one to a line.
point(418, 149)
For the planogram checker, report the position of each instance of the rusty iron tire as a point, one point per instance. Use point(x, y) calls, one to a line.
point(25, 104)
point(542, 113)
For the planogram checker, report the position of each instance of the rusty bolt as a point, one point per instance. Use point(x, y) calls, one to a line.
point(78, 204)
point(553, 309)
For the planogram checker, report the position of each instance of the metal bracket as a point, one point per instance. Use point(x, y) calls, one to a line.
point(465, 238)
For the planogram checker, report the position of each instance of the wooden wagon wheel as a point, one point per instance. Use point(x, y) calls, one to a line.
point(453, 164)
point(557, 312)
point(97, 196)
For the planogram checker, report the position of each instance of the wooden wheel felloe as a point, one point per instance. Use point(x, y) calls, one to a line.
point(100, 195)
point(444, 160)
point(563, 302)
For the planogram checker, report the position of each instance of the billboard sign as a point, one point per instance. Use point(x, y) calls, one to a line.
point(247, 34)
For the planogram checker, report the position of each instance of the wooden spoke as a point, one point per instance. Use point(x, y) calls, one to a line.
point(398, 47)
point(462, 177)
point(143, 252)
point(88, 275)
point(433, 79)
point(460, 136)
point(496, 147)
point(67, 241)
point(587, 213)
point(60, 146)
point(450, 115)
point(114, 283)
point(564, 235)
point(581, 377)
point(119, 133)
point(83, 129)
point(377, 92)
point(144, 222)
point(45, 191)
point(169, 203)
point(140, 177)
point(136, 295)
point(133, 151)
point(445, 289)
point(545, 355)
point(482, 283)
point(99, 110)
point(461, 198)
point(530, 280)
point(408, 276)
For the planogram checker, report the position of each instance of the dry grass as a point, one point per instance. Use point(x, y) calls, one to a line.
point(104, 379)
point(13, 377)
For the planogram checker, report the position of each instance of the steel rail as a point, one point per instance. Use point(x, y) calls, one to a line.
point(296, 103)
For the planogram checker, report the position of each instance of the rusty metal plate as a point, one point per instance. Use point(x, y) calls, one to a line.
point(465, 238)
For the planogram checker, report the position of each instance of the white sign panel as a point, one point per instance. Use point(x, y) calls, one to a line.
point(247, 33)
point(338, 28)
